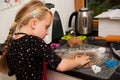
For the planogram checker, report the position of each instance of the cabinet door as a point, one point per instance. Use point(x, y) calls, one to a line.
point(79, 4)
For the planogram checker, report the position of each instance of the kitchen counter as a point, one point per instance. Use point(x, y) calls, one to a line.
point(113, 76)
point(54, 75)
point(70, 75)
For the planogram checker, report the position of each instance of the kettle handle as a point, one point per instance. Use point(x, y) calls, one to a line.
point(71, 17)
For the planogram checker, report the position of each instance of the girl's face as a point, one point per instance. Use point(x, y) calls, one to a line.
point(41, 26)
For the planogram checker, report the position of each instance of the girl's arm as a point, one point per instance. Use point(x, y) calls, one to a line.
point(67, 64)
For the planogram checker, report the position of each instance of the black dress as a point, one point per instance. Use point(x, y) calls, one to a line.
point(26, 56)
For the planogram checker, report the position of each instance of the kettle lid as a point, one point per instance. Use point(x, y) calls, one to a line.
point(84, 9)
point(49, 5)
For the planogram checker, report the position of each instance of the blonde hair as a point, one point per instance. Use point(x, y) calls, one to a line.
point(32, 9)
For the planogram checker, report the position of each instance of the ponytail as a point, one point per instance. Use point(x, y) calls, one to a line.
point(3, 61)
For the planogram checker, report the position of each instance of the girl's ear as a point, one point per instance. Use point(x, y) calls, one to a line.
point(33, 23)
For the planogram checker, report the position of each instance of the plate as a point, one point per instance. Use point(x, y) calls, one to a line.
point(115, 47)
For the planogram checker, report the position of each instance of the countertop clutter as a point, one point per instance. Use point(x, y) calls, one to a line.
point(108, 72)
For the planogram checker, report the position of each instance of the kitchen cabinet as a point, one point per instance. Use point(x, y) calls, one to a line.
point(79, 4)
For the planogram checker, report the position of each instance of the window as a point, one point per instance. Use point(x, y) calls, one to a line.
point(99, 6)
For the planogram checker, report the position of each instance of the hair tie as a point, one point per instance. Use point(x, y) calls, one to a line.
point(4, 53)
point(14, 23)
point(34, 13)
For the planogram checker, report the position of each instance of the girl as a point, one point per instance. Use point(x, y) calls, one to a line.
point(25, 54)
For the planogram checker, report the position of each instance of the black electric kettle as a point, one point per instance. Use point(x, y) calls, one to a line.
point(83, 21)
point(55, 31)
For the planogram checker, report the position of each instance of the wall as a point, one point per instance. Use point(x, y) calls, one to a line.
point(64, 7)
point(7, 14)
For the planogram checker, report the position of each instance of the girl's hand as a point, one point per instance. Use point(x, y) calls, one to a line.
point(84, 59)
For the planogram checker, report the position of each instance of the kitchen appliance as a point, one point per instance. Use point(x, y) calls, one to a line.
point(83, 21)
point(55, 30)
